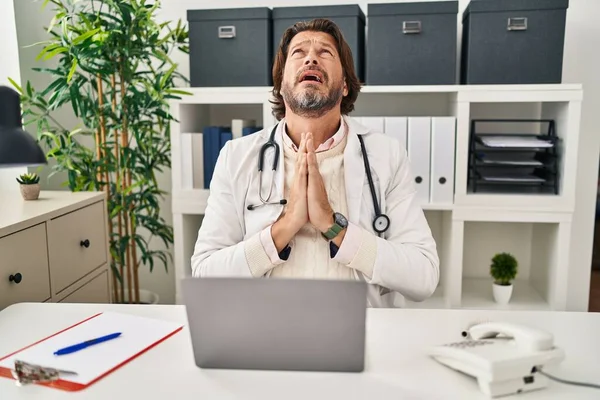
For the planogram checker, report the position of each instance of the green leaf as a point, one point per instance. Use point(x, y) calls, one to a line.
point(72, 70)
point(16, 85)
point(167, 75)
point(85, 36)
point(177, 91)
point(56, 85)
point(55, 52)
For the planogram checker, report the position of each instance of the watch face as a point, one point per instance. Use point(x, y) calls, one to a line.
point(340, 220)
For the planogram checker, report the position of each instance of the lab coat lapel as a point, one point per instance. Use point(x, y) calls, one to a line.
point(354, 171)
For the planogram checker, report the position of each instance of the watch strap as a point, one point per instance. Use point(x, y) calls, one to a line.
point(333, 231)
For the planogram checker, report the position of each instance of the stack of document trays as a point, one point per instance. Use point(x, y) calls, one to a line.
point(513, 162)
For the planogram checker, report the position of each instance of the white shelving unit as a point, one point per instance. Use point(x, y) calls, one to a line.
point(469, 231)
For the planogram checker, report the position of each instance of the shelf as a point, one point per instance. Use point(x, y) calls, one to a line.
point(478, 294)
point(469, 89)
point(193, 201)
point(224, 95)
point(437, 207)
point(509, 214)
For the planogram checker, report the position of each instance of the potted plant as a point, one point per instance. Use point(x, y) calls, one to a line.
point(30, 186)
point(504, 270)
point(112, 66)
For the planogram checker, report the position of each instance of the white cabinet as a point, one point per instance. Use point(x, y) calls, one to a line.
point(469, 229)
point(54, 248)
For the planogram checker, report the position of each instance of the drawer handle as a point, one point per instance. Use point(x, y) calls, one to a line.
point(16, 278)
point(85, 243)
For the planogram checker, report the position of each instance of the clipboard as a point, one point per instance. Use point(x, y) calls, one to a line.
point(138, 335)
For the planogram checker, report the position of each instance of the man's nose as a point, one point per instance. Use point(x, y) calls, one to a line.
point(311, 58)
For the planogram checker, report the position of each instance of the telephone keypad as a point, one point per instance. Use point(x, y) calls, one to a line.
point(469, 343)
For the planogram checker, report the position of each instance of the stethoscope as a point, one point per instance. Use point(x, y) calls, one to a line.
point(381, 222)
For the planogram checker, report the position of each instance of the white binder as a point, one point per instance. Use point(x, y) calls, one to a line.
point(374, 123)
point(419, 154)
point(187, 161)
point(443, 134)
point(397, 127)
point(238, 125)
point(198, 160)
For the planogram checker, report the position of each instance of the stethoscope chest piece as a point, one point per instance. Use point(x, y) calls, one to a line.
point(381, 223)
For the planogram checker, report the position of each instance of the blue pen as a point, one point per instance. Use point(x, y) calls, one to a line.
point(87, 343)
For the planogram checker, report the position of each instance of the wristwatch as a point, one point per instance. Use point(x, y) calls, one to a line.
point(339, 223)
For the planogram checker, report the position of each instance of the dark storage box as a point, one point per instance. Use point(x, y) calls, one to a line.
point(230, 47)
point(513, 41)
point(412, 43)
point(349, 18)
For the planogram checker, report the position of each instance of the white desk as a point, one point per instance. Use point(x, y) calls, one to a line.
point(396, 365)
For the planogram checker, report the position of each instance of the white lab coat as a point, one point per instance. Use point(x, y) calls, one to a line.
point(407, 263)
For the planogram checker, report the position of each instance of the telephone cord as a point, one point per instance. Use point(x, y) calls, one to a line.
point(565, 381)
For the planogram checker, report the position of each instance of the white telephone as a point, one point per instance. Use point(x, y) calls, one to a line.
point(503, 357)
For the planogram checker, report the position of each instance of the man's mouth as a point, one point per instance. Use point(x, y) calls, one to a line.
point(311, 76)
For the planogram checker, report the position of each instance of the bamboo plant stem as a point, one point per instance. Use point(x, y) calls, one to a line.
point(117, 182)
point(101, 153)
point(126, 180)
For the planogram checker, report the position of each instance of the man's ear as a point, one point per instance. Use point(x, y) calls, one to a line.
point(345, 88)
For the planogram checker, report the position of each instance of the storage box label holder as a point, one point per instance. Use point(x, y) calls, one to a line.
point(411, 27)
point(227, 32)
point(517, 24)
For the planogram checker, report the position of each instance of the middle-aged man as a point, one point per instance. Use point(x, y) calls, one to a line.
point(315, 216)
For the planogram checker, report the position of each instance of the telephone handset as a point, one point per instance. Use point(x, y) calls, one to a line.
point(528, 339)
point(503, 357)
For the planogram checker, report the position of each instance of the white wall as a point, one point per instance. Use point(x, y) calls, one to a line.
point(581, 65)
point(9, 68)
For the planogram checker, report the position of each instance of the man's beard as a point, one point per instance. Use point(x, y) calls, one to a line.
point(311, 103)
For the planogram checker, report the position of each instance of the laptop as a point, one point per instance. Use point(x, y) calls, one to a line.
point(276, 323)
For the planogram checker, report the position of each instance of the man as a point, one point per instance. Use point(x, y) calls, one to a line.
point(318, 221)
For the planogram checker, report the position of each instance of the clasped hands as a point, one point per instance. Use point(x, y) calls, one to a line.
point(308, 201)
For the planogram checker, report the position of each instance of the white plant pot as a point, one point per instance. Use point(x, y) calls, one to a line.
point(146, 297)
point(502, 293)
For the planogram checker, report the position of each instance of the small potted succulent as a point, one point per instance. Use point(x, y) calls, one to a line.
point(504, 270)
point(30, 186)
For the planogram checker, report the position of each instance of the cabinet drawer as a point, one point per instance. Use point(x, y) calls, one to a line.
point(94, 291)
point(76, 245)
point(23, 256)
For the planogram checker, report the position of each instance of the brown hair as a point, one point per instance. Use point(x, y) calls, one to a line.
point(317, 25)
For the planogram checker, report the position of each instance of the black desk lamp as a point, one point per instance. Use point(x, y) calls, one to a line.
point(17, 147)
